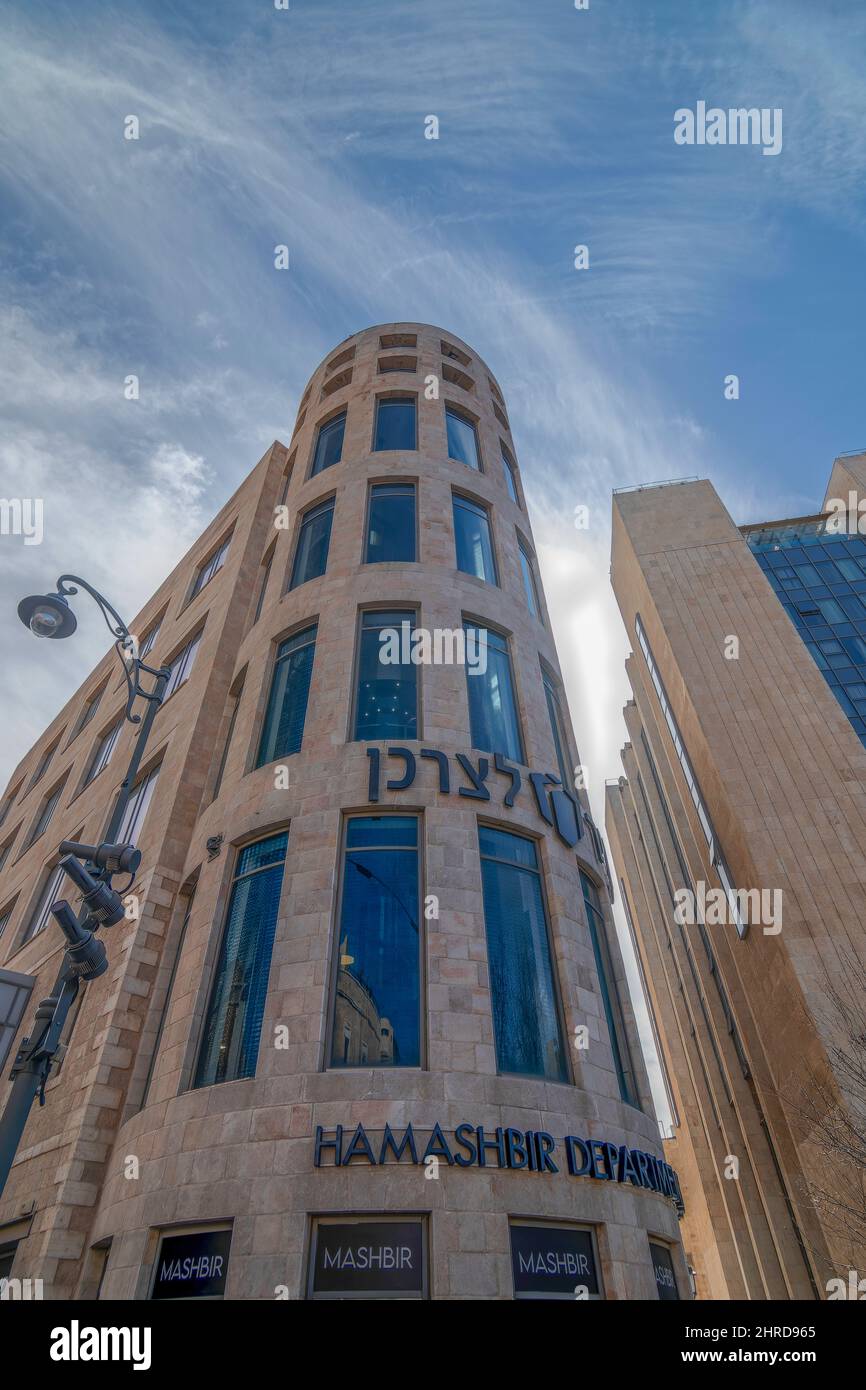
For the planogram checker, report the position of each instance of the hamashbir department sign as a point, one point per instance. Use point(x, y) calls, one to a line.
point(471, 1146)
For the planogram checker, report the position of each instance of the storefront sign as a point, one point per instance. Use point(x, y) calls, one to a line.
point(552, 1262)
point(471, 1146)
point(365, 1258)
point(192, 1266)
point(554, 803)
point(664, 1270)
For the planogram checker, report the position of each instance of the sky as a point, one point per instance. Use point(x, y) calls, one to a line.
point(261, 126)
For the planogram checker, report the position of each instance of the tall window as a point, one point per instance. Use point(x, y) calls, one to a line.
point(181, 667)
point(557, 729)
point(526, 1021)
point(233, 1022)
point(263, 585)
point(314, 538)
point(235, 699)
point(210, 567)
point(609, 992)
point(391, 523)
point(510, 479)
point(472, 539)
point(395, 423)
point(104, 750)
point(287, 703)
point(136, 809)
point(42, 765)
point(462, 439)
point(47, 810)
point(329, 444)
point(51, 893)
point(15, 991)
point(90, 708)
point(148, 643)
point(530, 584)
point(386, 703)
point(493, 715)
point(377, 1006)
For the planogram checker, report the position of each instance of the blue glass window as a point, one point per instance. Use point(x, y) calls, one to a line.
point(395, 423)
point(557, 728)
point(510, 482)
point(472, 539)
point(386, 704)
point(329, 444)
point(493, 714)
point(391, 523)
point(377, 1005)
point(283, 728)
point(314, 538)
point(530, 586)
point(526, 1021)
point(233, 1022)
point(462, 440)
point(609, 991)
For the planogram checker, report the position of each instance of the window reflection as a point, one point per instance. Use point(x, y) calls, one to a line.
point(493, 720)
point(386, 705)
point(377, 1003)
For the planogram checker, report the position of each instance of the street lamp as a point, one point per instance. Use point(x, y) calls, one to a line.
point(89, 867)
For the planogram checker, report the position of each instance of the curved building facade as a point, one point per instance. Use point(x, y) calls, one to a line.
point(366, 1032)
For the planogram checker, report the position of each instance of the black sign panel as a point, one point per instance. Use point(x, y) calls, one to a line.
point(193, 1266)
point(366, 1258)
point(664, 1269)
point(552, 1262)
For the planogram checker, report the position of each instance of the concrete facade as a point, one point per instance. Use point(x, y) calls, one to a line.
point(758, 1032)
point(126, 1149)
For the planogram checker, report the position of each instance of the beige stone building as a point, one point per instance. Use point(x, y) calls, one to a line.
point(739, 840)
point(365, 1032)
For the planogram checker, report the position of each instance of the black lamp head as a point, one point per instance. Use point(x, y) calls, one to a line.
point(47, 615)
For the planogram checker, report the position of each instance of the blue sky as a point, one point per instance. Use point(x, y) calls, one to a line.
point(306, 127)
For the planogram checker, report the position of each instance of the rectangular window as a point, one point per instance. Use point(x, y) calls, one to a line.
point(377, 998)
point(391, 524)
point(89, 710)
point(235, 706)
point(263, 586)
point(386, 702)
point(181, 667)
point(42, 764)
point(15, 991)
point(395, 423)
point(530, 584)
point(493, 718)
point(510, 482)
point(136, 809)
point(462, 440)
point(472, 539)
point(233, 1023)
point(314, 538)
point(609, 992)
point(287, 703)
point(149, 641)
point(104, 750)
point(51, 893)
point(49, 806)
point(329, 444)
point(210, 567)
point(526, 1021)
point(557, 729)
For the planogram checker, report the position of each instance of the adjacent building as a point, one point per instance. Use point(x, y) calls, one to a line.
point(745, 786)
point(365, 1033)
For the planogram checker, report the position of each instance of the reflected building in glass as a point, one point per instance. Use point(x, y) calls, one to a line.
point(370, 998)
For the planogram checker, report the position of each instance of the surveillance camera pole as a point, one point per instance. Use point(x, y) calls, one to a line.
point(90, 868)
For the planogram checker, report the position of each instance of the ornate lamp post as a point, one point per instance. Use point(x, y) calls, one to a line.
point(89, 867)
